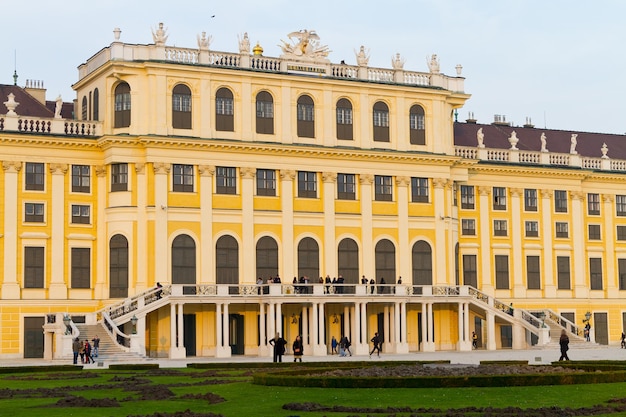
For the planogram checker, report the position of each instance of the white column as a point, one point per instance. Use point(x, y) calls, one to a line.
point(322, 326)
point(161, 243)
point(424, 328)
point(548, 253)
point(484, 208)
point(460, 323)
point(396, 324)
point(519, 289)
point(219, 334)
point(387, 329)
point(173, 342)
point(330, 256)
point(248, 250)
point(404, 250)
point(271, 321)
point(439, 253)
point(364, 342)
point(223, 349)
point(58, 287)
point(207, 269)
point(181, 335)
point(262, 331)
point(369, 267)
point(346, 321)
point(279, 319)
point(314, 326)
point(581, 288)
point(430, 320)
point(491, 330)
point(306, 337)
point(141, 238)
point(288, 246)
point(466, 316)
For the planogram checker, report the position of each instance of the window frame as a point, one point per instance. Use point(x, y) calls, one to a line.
point(595, 274)
point(119, 176)
point(529, 230)
point(561, 230)
point(383, 188)
point(80, 268)
point(560, 201)
point(593, 204)
point(499, 198)
point(35, 176)
point(500, 228)
point(31, 214)
point(34, 266)
point(344, 119)
point(307, 184)
point(466, 196)
point(563, 271)
point(226, 180)
point(530, 199)
point(468, 227)
point(502, 274)
point(533, 272)
point(346, 186)
point(183, 178)
point(417, 125)
point(596, 233)
point(420, 190)
point(80, 214)
point(380, 122)
point(81, 179)
point(266, 182)
point(620, 205)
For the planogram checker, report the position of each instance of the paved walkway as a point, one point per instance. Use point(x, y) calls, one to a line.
point(534, 356)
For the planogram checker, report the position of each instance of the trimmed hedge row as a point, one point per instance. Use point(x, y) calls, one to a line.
point(42, 368)
point(300, 365)
point(134, 366)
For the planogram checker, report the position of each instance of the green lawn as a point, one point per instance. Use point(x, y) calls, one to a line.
point(245, 399)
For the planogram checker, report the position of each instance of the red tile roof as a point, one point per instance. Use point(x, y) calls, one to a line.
point(559, 141)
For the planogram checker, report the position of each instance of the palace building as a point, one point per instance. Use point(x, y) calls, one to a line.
point(195, 203)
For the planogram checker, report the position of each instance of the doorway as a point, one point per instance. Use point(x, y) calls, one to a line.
point(33, 337)
point(236, 333)
point(189, 334)
point(602, 328)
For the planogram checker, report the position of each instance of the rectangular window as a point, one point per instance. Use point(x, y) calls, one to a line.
point(595, 273)
point(344, 116)
point(181, 102)
point(34, 267)
point(620, 205)
point(346, 187)
point(594, 232)
point(621, 232)
point(307, 184)
point(265, 109)
point(266, 182)
point(182, 178)
point(467, 197)
point(470, 274)
point(224, 106)
point(33, 212)
point(502, 272)
point(416, 121)
point(119, 177)
point(383, 189)
point(226, 180)
point(621, 270)
point(381, 118)
point(34, 176)
point(419, 190)
point(560, 201)
point(593, 204)
point(533, 273)
point(306, 112)
point(122, 101)
point(80, 179)
point(499, 198)
point(562, 229)
point(468, 227)
point(563, 274)
point(500, 228)
point(80, 214)
point(532, 229)
point(81, 268)
point(530, 199)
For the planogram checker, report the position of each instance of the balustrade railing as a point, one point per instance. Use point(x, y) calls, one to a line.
point(48, 126)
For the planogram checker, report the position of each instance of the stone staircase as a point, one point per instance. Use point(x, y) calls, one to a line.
point(109, 350)
point(575, 341)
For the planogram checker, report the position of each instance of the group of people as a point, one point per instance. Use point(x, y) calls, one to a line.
point(87, 351)
point(341, 347)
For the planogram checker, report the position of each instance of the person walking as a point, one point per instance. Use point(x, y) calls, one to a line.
point(279, 347)
point(298, 349)
point(376, 341)
point(88, 357)
point(75, 350)
point(344, 342)
point(333, 345)
point(564, 342)
point(623, 345)
point(96, 345)
point(81, 351)
point(474, 340)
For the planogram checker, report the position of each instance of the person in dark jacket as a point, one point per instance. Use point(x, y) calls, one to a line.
point(279, 347)
point(75, 349)
point(564, 342)
point(376, 341)
point(298, 349)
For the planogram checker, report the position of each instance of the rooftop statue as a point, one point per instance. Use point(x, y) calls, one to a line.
point(433, 64)
point(572, 147)
point(543, 143)
point(244, 44)
point(604, 149)
point(480, 137)
point(160, 36)
point(57, 107)
point(306, 46)
point(397, 62)
point(204, 42)
point(362, 57)
point(513, 139)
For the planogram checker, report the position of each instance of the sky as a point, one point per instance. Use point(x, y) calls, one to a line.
point(556, 62)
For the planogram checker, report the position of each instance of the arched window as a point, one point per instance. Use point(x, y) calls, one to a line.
point(84, 109)
point(184, 262)
point(118, 267)
point(122, 105)
point(306, 117)
point(224, 110)
point(381, 122)
point(348, 262)
point(308, 258)
point(227, 262)
point(344, 119)
point(96, 104)
point(385, 261)
point(264, 113)
point(181, 107)
point(266, 258)
point(417, 125)
point(422, 257)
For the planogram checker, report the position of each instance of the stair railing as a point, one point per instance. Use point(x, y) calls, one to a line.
point(122, 339)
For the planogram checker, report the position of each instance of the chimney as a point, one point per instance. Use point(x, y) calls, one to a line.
point(528, 123)
point(470, 118)
point(35, 89)
point(500, 120)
